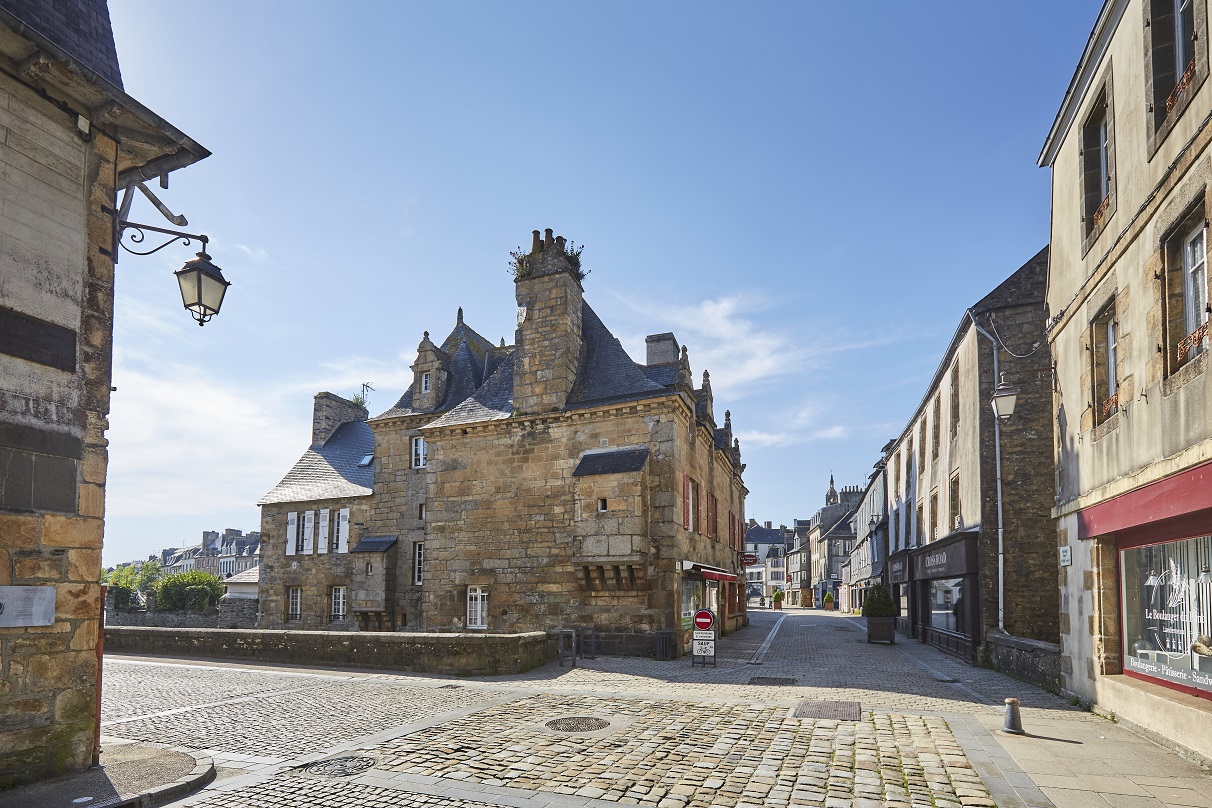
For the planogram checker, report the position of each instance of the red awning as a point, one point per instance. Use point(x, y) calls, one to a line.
point(709, 572)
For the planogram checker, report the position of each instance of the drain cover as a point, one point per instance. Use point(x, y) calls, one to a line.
point(577, 723)
point(341, 767)
point(450, 687)
point(836, 710)
point(770, 680)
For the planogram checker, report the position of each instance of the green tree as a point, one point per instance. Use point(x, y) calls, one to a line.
point(188, 592)
point(149, 573)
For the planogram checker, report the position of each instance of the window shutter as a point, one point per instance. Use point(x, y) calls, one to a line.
point(685, 501)
point(343, 531)
point(291, 527)
point(698, 509)
point(322, 540)
point(309, 530)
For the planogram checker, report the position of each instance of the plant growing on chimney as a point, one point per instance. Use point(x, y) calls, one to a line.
point(522, 264)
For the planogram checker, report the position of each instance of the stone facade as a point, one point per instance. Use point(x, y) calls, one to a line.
point(943, 508)
point(61, 169)
point(554, 483)
point(1131, 407)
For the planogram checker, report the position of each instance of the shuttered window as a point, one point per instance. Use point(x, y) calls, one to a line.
point(309, 531)
point(322, 540)
point(342, 529)
point(291, 524)
point(686, 501)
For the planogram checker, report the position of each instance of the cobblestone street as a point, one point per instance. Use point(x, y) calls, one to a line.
point(644, 732)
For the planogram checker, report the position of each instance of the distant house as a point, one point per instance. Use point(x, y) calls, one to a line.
point(243, 584)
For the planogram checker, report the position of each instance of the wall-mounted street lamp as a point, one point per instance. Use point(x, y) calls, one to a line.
point(1004, 397)
point(202, 283)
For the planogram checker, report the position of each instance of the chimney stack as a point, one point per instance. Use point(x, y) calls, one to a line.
point(662, 348)
point(548, 338)
point(329, 412)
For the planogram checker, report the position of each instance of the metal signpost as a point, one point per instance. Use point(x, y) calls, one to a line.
point(702, 643)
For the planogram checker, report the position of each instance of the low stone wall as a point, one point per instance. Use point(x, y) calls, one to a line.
point(238, 612)
point(452, 654)
point(118, 617)
point(1030, 660)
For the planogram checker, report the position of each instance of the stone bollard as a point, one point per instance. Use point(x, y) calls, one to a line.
point(1014, 720)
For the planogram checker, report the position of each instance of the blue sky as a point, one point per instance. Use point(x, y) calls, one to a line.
point(807, 194)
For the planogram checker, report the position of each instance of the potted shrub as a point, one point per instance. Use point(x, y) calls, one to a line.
point(881, 615)
point(777, 599)
point(828, 601)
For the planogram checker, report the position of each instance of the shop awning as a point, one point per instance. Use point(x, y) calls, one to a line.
point(707, 571)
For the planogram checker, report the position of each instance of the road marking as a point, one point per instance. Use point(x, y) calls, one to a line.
point(760, 654)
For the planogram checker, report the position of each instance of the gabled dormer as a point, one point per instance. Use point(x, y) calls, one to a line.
point(429, 375)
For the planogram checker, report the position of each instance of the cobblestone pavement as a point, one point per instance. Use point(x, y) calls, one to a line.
point(669, 736)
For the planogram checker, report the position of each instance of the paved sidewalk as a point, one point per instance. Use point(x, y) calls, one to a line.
point(646, 732)
point(127, 771)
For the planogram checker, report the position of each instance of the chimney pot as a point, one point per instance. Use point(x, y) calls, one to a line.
point(536, 242)
point(560, 243)
point(769, 526)
point(548, 239)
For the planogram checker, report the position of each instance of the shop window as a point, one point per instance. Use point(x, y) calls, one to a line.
point(1105, 361)
point(1176, 61)
point(947, 605)
point(1186, 289)
point(1166, 596)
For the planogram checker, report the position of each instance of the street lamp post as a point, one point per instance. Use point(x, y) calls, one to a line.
point(1004, 399)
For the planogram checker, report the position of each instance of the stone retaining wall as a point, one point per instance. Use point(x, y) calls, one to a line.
point(117, 617)
point(1030, 660)
point(452, 654)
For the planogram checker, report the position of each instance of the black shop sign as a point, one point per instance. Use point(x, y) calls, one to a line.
point(950, 560)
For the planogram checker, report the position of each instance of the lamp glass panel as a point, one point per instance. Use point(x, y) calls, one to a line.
point(1003, 403)
point(212, 292)
point(188, 281)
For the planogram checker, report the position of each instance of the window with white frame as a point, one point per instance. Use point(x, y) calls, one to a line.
point(418, 561)
point(1186, 297)
point(294, 603)
point(1106, 364)
point(337, 597)
point(477, 607)
point(425, 382)
point(419, 453)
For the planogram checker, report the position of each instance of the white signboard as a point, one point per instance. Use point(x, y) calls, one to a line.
point(1066, 556)
point(27, 606)
point(703, 647)
point(704, 635)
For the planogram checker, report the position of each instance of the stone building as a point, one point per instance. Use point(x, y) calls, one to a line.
point(830, 541)
point(1131, 166)
point(870, 527)
point(71, 137)
point(761, 541)
point(550, 483)
point(943, 497)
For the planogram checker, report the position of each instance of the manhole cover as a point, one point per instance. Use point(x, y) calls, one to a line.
point(577, 723)
point(770, 680)
point(340, 767)
point(836, 710)
point(450, 687)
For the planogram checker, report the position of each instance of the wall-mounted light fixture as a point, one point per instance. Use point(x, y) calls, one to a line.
point(202, 283)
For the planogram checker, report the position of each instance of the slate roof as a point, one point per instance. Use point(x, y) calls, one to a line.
point(614, 462)
point(665, 375)
point(331, 470)
point(374, 544)
point(249, 576)
point(80, 28)
point(763, 535)
point(492, 402)
point(606, 373)
point(467, 358)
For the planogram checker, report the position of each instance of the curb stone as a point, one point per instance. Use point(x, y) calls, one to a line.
point(199, 777)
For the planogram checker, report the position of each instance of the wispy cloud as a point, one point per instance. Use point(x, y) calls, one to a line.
point(805, 423)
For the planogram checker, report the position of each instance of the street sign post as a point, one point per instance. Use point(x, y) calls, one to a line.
point(702, 642)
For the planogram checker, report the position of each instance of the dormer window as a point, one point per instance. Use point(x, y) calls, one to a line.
point(425, 382)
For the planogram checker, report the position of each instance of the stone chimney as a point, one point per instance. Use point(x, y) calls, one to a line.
point(330, 412)
point(769, 526)
point(662, 348)
point(548, 339)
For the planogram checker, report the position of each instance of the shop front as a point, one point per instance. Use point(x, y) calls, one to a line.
point(900, 566)
point(714, 588)
point(946, 588)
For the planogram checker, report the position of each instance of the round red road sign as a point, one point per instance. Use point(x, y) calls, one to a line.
point(703, 619)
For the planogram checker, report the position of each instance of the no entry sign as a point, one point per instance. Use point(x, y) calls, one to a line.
point(703, 619)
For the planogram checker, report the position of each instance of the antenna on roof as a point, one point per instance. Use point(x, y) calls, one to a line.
point(364, 396)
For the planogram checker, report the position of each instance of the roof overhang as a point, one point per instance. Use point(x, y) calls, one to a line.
point(148, 145)
point(1096, 47)
point(707, 572)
